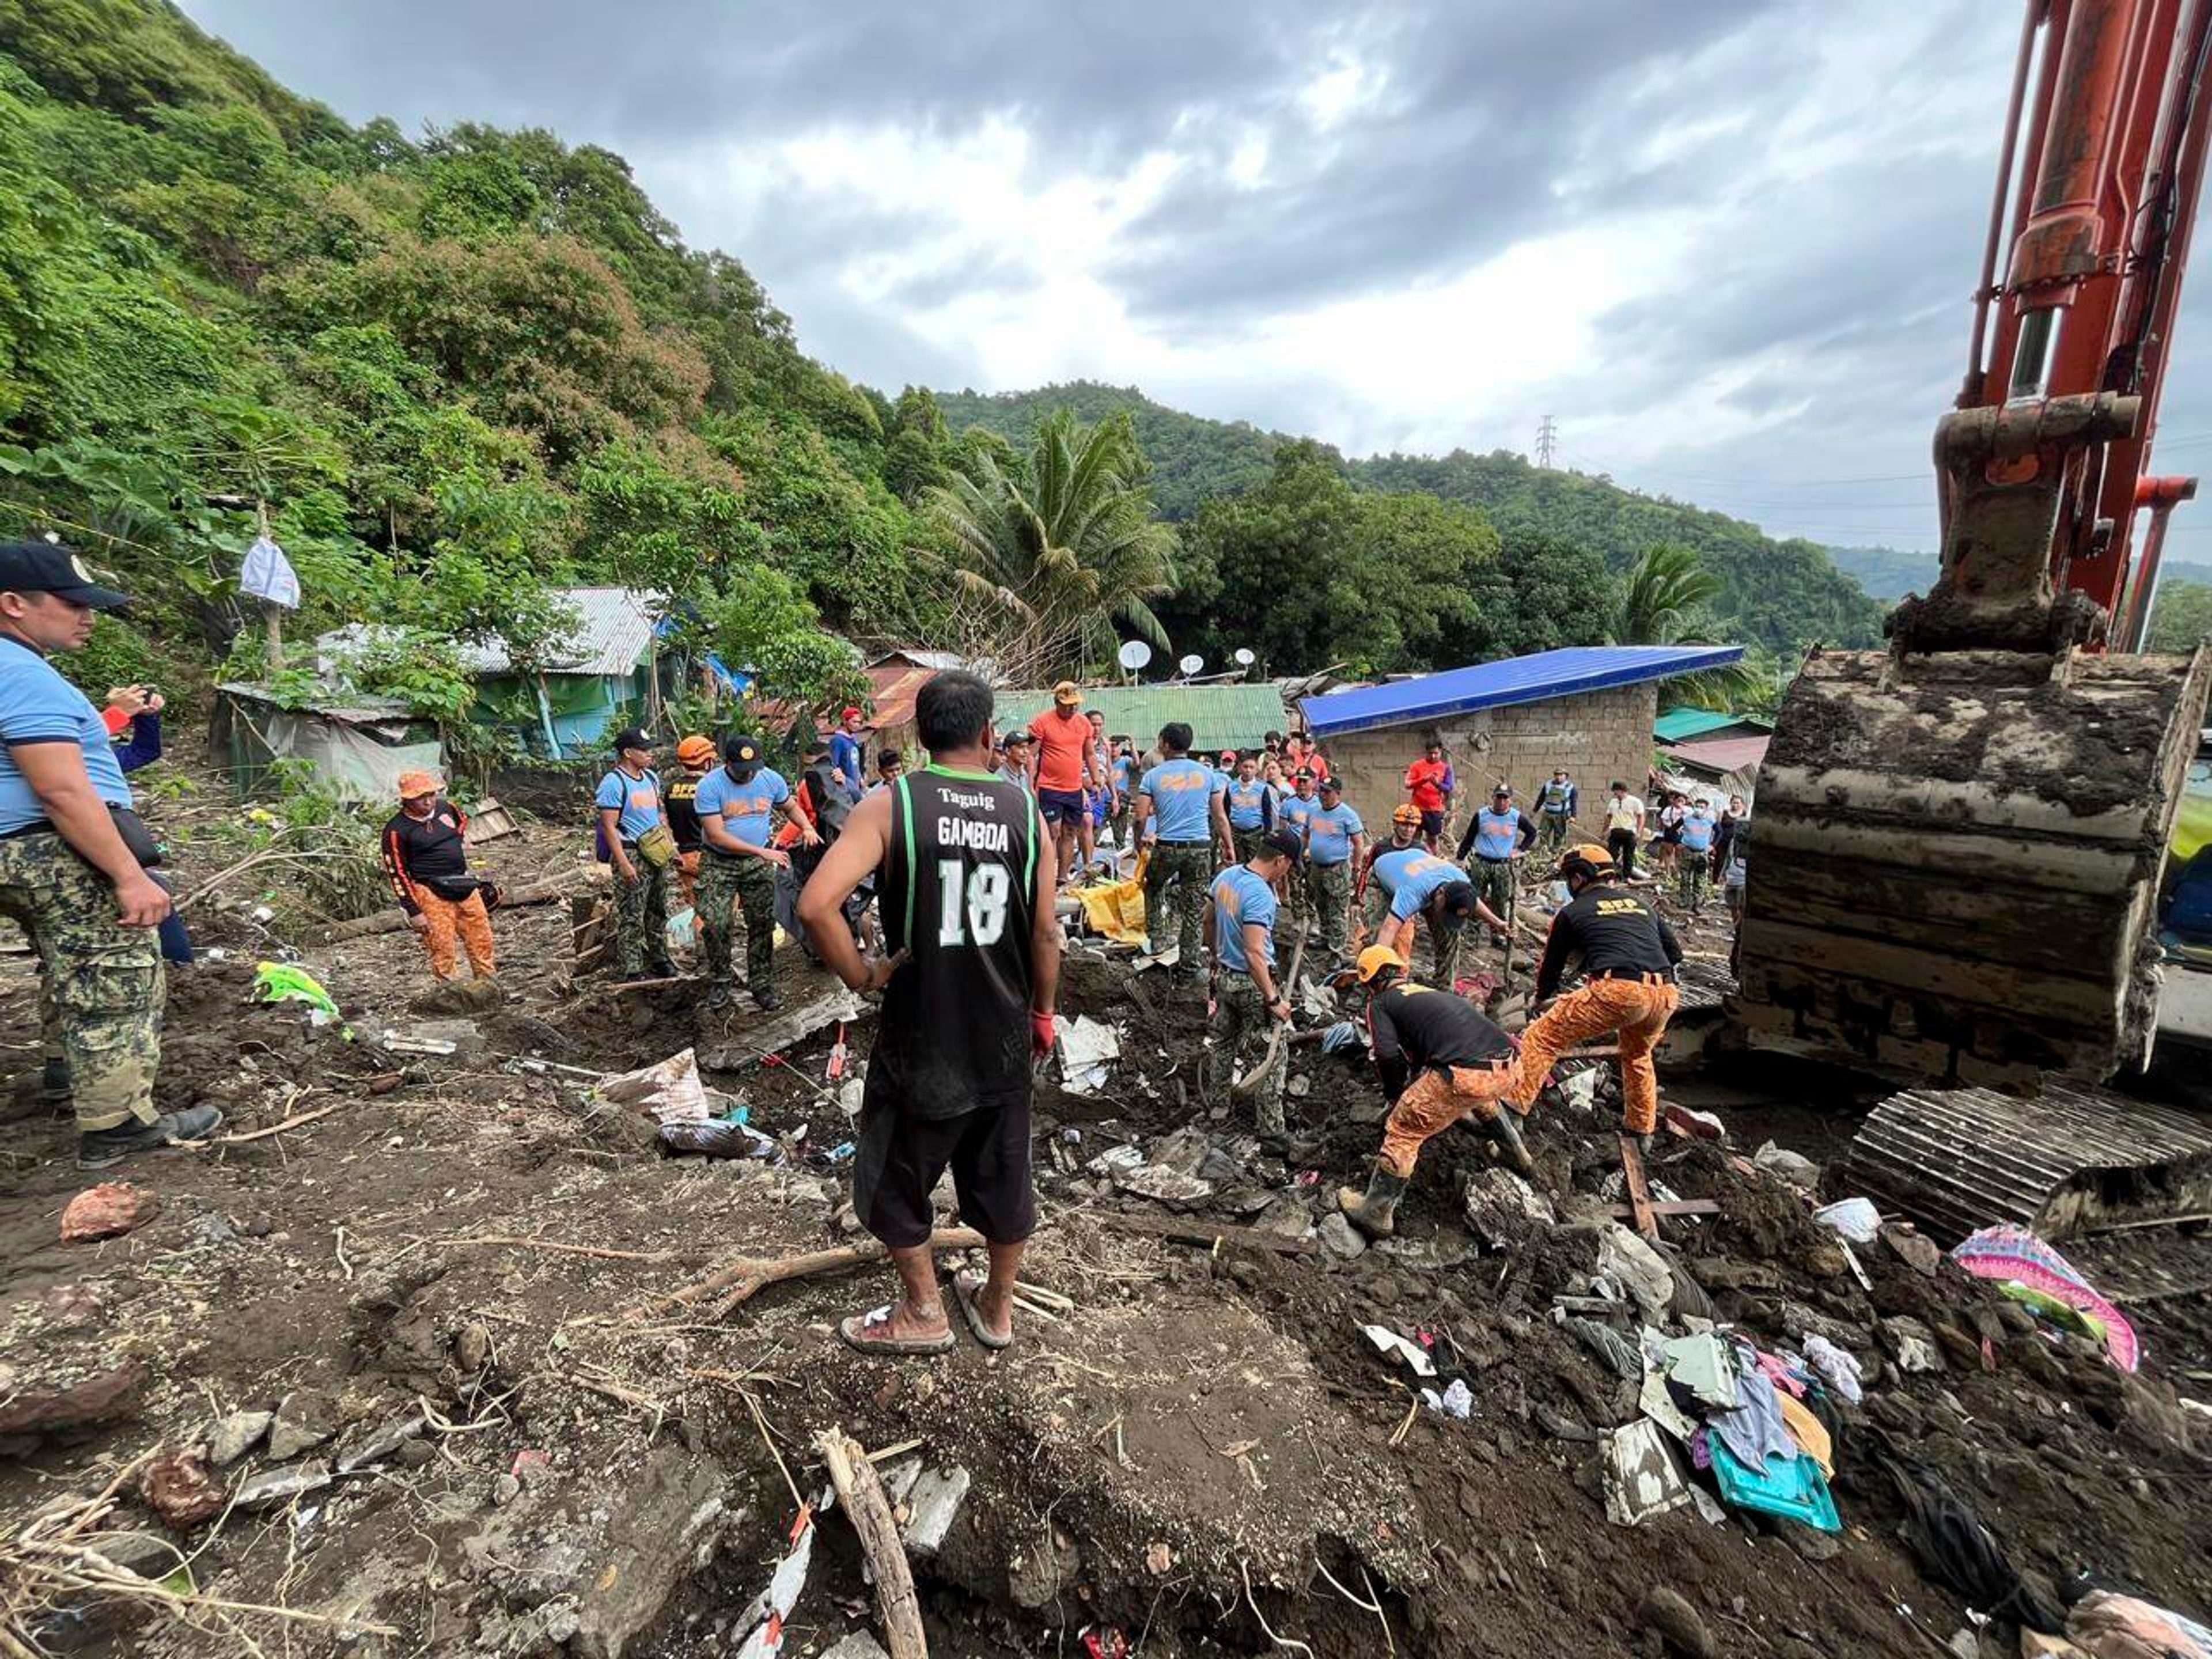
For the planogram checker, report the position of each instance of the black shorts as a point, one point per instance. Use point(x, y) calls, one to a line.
point(1061, 806)
point(900, 1159)
point(1432, 824)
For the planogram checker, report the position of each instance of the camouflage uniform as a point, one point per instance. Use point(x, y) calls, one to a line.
point(1246, 842)
point(1175, 896)
point(641, 918)
point(1692, 879)
point(750, 881)
point(1552, 831)
point(1494, 884)
point(101, 1002)
point(1238, 1014)
point(1326, 889)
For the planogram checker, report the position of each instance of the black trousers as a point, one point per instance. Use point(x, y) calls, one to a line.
point(1621, 843)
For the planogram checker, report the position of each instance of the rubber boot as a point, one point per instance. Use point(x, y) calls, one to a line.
point(98, 1148)
point(1374, 1212)
point(1503, 1130)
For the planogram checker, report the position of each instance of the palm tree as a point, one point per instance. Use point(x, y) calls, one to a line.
point(1059, 545)
point(1662, 602)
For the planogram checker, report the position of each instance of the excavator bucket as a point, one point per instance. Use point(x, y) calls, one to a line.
point(1955, 861)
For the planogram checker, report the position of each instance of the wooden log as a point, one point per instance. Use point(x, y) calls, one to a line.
point(391, 921)
point(744, 1277)
point(861, 1495)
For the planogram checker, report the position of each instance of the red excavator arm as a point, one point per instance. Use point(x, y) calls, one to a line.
point(2098, 188)
point(1960, 839)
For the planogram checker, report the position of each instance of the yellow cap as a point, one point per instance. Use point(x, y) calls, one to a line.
point(1375, 958)
point(1066, 694)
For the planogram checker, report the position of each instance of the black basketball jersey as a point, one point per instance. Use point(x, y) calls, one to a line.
point(959, 894)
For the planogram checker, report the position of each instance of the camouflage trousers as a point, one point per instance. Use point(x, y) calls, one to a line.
point(101, 1002)
point(1327, 889)
point(641, 918)
point(1552, 831)
point(1693, 878)
point(1240, 1021)
point(747, 883)
point(1177, 881)
point(1246, 842)
point(1494, 884)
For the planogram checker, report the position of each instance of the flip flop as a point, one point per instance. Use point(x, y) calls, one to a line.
point(857, 1329)
point(965, 1285)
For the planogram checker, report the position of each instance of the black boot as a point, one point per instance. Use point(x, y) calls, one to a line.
point(1507, 1134)
point(1375, 1211)
point(98, 1148)
point(767, 998)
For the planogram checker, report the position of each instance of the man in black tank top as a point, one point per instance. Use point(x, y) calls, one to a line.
point(969, 984)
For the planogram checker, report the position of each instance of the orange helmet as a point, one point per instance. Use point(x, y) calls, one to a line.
point(1407, 814)
point(696, 751)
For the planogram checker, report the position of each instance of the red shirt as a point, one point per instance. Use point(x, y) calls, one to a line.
point(1061, 741)
point(1428, 779)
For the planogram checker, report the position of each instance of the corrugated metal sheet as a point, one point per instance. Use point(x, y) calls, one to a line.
point(1682, 725)
point(1958, 1159)
point(1723, 755)
point(1561, 673)
point(1219, 716)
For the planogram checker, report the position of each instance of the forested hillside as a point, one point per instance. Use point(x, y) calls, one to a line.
point(1887, 573)
point(1781, 594)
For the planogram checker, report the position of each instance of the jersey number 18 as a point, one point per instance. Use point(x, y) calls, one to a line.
point(971, 907)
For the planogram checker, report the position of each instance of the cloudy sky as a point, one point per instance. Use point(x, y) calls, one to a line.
point(1727, 243)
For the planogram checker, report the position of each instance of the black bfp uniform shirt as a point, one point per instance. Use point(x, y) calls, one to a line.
point(959, 896)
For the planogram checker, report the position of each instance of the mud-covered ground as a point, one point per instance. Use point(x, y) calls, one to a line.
point(1200, 1452)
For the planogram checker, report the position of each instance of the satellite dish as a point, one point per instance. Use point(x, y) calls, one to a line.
point(1134, 655)
point(1243, 656)
point(1192, 664)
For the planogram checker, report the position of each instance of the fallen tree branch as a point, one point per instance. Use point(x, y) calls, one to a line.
point(744, 1277)
point(391, 921)
point(292, 1122)
point(861, 1496)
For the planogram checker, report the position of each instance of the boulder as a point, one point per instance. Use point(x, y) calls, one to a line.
point(236, 1435)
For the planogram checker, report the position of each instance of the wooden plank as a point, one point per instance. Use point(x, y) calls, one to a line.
point(1639, 1192)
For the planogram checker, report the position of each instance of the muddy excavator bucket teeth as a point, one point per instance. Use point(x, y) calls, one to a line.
point(1955, 859)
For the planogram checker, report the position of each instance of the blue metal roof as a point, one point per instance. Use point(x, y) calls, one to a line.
point(1516, 679)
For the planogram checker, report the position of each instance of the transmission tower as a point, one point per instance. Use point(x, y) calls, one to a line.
point(1548, 438)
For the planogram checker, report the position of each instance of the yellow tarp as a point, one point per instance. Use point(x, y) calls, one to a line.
point(1116, 909)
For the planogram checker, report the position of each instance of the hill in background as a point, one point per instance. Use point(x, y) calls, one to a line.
point(1782, 594)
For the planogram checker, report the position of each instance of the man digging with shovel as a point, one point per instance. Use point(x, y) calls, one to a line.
point(1441, 1060)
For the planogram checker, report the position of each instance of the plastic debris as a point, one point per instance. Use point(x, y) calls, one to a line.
point(1701, 1364)
point(1641, 1479)
point(2014, 1256)
point(276, 982)
point(717, 1138)
point(1637, 1268)
point(764, 1619)
point(1792, 1487)
point(1855, 1218)
point(1345, 1034)
point(1456, 1401)
point(1088, 1050)
point(669, 1091)
point(1390, 1345)
point(1793, 1167)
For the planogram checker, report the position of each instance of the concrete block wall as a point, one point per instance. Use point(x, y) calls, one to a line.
point(1598, 736)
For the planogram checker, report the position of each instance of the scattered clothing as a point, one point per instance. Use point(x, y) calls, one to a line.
point(1837, 1367)
point(2014, 1254)
point(1754, 1430)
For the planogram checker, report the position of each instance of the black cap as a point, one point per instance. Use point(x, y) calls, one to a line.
point(631, 737)
point(50, 568)
point(1019, 734)
point(743, 754)
point(1285, 842)
point(1334, 785)
point(1303, 774)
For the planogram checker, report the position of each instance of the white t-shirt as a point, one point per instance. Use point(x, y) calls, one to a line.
point(1622, 814)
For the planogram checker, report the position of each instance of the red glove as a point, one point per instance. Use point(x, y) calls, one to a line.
point(1042, 1034)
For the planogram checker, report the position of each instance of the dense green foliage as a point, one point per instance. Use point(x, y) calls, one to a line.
point(452, 372)
point(1192, 459)
point(1051, 551)
point(2181, 617)
point(1886, 572)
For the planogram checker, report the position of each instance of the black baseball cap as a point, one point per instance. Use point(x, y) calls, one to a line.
point(1283, 842)
point(1334, 785)
point(1019, 734)
point(51, 567)
point(744, 756)
point(632, 737)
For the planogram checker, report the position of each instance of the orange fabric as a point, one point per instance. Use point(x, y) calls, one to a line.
point(451, 918)
point(1061, 747)
point(1424, 781)
point(687, 874)
point(1637, 1009)
point(1432, 1103)
point(114, 719)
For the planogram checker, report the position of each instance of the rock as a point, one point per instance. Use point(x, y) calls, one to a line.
point(236, 1435)
point(70, 1307)
point(34, 1411)
point(1796, 1169)
point(1911, 1343)
point(1724, 1273)
point(1678, 1623)
point(1290, 1216)
point(146, 1554)
point(1219, 1167)
point(505, 1490)
point(305, 1419)
point(1341, 1238)
point(1631, 1263)
point(933, 1507)
point(858, 1645)
point(664, 1512)
point(107, 1211)
point(472, 1348)
point(1915, 1250)
point(283, 1484)
point(1811, 1542)
point(416, 1454)
point(382, 1443)
point(180, 1488)
point(210, 1227)
point(1504, 1209)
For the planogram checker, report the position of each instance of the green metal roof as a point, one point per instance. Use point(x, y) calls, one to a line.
point(1219, 716)
point(1681, 725)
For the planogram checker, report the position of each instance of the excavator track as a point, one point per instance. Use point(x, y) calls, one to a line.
point(1957, 859)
